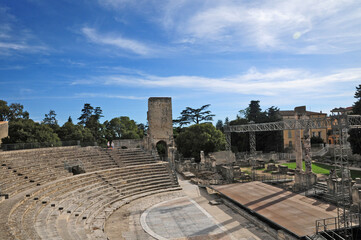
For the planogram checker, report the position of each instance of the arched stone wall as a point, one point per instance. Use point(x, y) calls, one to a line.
point(160, 122)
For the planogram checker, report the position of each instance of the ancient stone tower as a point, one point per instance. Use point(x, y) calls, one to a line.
point(160, 122)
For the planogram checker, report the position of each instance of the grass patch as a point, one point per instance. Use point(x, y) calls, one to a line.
point(317, 168)
point(320, 168)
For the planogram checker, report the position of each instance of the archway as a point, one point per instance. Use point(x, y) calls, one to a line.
point(162, 150)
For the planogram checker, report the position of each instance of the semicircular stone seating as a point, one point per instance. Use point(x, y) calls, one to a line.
point(63, 206)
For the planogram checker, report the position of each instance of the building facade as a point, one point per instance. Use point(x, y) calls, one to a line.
point(289, 135)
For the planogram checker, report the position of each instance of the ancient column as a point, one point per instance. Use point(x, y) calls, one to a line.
point(307, 147)
point(252, 142)
point(299, 111)
point(298, 150)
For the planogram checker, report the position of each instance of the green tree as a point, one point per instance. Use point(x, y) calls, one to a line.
point(123, 128)
point(17, 112)
point(4, 111)
point(12, 112)
point(69, 132)
point(28, 131)
point(254, 112)
point(97, 129)
point(90, 119)
point(50, 120)
point(356, 108)
point(226, 122)
point(195, 115)
point(200, 137)
point(87, 112)
point(355, 134)
point(143, 129)
point(219, 125)
point(70, 119)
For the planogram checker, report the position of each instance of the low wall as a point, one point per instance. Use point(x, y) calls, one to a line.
point(129, 143)
point(223, 157)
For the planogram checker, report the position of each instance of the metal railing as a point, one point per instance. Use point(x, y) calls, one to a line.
point(337, 223)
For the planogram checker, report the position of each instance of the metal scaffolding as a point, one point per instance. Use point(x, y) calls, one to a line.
point(287, 124)
point(340, 127)
point(292, 124)
point(340, 123)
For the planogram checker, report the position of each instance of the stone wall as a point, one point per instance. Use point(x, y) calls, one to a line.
point(128, 143)
point(160, 121)
point(223, 157)
point(4, 130)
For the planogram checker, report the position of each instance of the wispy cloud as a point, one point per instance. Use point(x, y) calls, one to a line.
point(17, 39)
point(12, 67)
point(299, 26)
point(75, 96)
point(104, 95)
point(116, 40)
point(115, 3)
point(276, 82)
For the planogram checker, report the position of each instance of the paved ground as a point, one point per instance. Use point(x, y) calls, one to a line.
point(282, 207)
point(185, 214)
point(179, 218)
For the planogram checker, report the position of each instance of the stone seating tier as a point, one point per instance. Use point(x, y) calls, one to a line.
point(77, 206)
point(27, 168)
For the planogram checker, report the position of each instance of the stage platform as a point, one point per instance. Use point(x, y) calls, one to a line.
point(292, 212)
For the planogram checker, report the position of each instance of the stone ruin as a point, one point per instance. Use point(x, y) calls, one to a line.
point(160, 125)
point(303, 178)
point(4, 130)
point(215, 168)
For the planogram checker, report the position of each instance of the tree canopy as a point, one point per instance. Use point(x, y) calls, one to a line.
point(123, 128)
point(89, 129)
point(50, 118)
point(194, 115)
point(12, 112)
point(266, 141)
point(28, 131)
point(69, 132)
point(200, 137)
point(355, 134)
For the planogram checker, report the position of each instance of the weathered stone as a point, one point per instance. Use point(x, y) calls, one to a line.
point(4, 130)
point(160, 122)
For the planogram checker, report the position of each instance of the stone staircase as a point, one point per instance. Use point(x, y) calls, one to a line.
point(131, 157)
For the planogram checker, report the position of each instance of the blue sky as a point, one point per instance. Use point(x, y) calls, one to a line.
point(115, 54)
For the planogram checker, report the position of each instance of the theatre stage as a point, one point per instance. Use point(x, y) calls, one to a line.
point(293, 212)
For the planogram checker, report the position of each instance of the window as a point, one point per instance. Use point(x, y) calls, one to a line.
point(313, 134)
point(319, 133)
point(290, 144)
point(289, 134)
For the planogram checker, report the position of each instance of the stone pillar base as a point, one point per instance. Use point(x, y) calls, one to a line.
point(304, 180)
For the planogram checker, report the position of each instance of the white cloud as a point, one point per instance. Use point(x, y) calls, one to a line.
point(298, 26)
point(116, 41)
point(273, 83)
